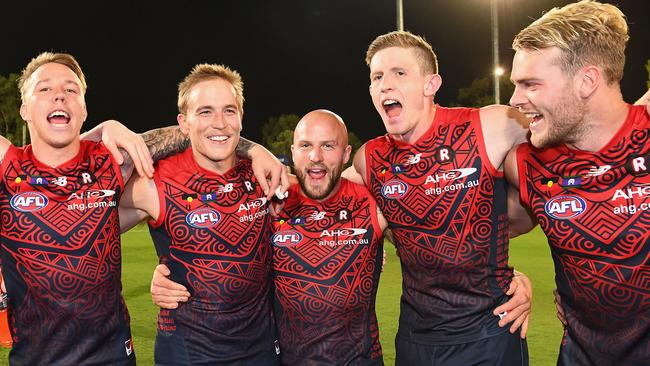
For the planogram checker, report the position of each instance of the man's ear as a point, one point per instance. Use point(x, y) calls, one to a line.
point(183, 124)
point(433, 83)
point(589, 79)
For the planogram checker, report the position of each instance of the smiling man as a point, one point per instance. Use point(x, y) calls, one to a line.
point(210, 224)
point(60, 230)
point(584, 179)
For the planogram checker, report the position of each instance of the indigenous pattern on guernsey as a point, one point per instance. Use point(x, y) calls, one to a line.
point(327, 259)
point(61, 259)
point(446, 207)
point(593, 207)
point(214, 233)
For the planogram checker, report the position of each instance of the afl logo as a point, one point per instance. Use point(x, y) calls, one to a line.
point(29, 201)
point(565, 207)
point(394, 189)
point(287, 238)
point(203, 218)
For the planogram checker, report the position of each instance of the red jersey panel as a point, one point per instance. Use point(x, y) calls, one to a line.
point(214, 233)
point(327, 260)
point(61, 259)
point(446, 206)
point(593, 207)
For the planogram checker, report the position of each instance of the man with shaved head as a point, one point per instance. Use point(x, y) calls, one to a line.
point(327, 254)
point(327, 251)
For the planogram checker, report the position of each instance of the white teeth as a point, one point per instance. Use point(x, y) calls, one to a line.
point(532, 115)
point(58, 114)
point(218, 138)
point(390, 101)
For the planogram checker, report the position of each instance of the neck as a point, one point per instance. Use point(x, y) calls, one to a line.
point(55, 156)
point(606, 113)
point(216, 166)
point(422, 126)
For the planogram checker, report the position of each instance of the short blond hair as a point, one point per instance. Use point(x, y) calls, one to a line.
point(46, 58)
point(587, 32)
point(426, 57)
point(203, 72)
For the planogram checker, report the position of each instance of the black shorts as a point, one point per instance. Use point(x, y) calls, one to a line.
point(170, 350)
point(504, 349)
point(572, 354)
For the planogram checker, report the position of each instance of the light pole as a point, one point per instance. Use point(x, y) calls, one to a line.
point(497, 71)
point(400, 15)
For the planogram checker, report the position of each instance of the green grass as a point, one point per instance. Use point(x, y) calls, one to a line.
point(529, 254)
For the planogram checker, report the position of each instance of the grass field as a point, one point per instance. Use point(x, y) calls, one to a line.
point(529, 254)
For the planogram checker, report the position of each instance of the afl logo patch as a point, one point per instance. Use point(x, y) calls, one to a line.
point(394, 189)
point(287, 238)
point(203, 218)
point(565, 207)
point(29, 201)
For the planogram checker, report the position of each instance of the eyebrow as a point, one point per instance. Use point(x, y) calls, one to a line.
point(49, 80)
point(332, 142)
point(524, 79)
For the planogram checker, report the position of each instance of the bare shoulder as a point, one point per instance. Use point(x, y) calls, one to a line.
point(503, 128)
point(503, 114)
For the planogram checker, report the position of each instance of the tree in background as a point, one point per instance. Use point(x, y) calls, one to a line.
point(277, 136)
point(480, 93)
point(12, 126)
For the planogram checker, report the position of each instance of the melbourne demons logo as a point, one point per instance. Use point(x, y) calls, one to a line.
point(394, 189)
point(565, 207)
point(29, 201)
point(203, 217)
point(287, 238)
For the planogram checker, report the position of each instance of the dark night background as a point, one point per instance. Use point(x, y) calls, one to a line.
point(294, 56)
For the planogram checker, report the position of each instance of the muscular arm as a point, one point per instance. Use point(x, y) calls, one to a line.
point(139, 202)
point(503, 128)
point(520, 219)
point(164, 142)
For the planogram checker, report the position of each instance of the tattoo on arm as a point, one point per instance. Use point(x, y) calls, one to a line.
point(164, 142)
point(244, 147)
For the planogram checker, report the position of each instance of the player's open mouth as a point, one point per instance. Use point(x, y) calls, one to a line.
point(316, 173)
point(219, 139)
point(535, 118)
point(58, 117)
point(392, 107)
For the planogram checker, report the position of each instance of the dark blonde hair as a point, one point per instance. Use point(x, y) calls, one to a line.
point(587, 32)
point(426, 57)
point(203, 72)
point(46, 58)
